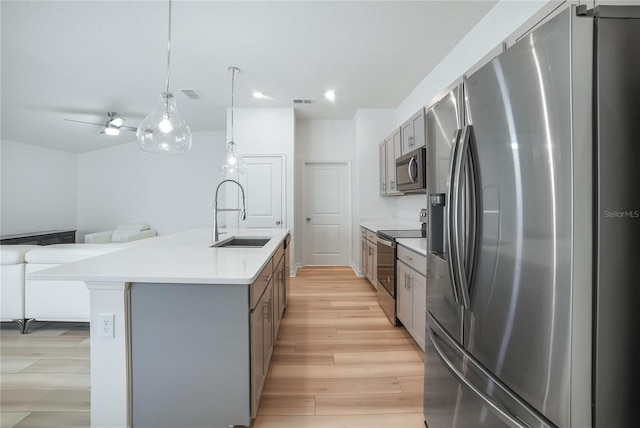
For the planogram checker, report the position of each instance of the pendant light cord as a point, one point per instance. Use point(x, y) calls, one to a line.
point(233, 86)
point(169, 50)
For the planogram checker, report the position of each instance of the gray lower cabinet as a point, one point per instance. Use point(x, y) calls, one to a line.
point(279, 288)
point(261, 344)
point(189, 355)
point(411, 293)
point(369, 256)
point(211, 371)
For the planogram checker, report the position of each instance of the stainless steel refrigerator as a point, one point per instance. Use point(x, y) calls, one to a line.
point(534, 245)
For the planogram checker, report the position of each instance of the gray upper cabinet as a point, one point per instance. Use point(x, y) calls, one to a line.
point(390, 150)
point(413, 133)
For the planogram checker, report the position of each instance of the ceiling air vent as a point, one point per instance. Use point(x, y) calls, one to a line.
point(302, 101)
point(191, 94)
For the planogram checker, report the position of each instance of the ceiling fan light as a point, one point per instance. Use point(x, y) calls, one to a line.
point(116, 122)
point(111, 130)
point(164, 131)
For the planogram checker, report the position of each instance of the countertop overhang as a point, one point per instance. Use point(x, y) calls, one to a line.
point(181, 258)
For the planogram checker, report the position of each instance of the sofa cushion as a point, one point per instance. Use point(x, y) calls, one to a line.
point(119, 235)
point(135, 226)
point(14, 254)
point(67, 253)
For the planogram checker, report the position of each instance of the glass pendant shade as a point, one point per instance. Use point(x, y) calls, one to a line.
point(234, 164)
point(164, 131)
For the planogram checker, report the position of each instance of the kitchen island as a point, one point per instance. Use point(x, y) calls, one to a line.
point(182, 333)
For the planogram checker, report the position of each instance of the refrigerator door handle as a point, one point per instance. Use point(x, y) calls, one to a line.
point(474, 212)
point(450, 207)
point(506, 417)
point(462, 278)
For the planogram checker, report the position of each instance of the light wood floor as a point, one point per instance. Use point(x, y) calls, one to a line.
point(338, 363)
point(44, 376)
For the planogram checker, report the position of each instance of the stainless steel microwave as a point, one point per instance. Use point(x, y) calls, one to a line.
point(411, 171)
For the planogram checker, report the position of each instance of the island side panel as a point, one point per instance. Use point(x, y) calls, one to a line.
point(189, 355)
point(109, 357)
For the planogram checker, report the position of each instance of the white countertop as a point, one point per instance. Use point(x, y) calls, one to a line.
point(179, 258)
point(419, 245)
point(374, 226)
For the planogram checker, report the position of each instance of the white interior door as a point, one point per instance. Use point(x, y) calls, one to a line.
point(263, 184)
point(327, 211)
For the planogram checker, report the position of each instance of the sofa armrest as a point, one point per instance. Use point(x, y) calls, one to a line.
point(139, 235)
point(97, 238)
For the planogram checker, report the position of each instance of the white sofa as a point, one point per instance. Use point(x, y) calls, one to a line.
point(49, 300)
point(122, 233)
point(12, 282)
point(23, 299)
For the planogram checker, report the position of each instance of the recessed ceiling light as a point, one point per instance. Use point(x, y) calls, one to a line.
point(258, 95)
point(330, 95)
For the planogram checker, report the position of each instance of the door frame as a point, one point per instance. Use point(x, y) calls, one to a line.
point(303, 214)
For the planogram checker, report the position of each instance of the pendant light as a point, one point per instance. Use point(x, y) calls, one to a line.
point(234, 164)
point(164, 131)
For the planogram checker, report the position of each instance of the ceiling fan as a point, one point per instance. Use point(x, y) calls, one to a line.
point(112, 126)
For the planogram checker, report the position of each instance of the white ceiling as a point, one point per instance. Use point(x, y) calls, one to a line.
point(79, 59)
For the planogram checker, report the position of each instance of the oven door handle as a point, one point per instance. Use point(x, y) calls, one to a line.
point(386, 242)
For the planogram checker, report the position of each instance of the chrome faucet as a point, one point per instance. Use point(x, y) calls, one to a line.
point(243, 212)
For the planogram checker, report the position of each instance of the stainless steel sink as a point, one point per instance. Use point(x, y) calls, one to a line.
point(242, 242)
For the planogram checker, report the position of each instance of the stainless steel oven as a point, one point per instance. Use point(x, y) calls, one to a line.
point(386, 271)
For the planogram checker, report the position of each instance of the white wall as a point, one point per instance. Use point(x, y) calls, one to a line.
point(506, 17)
point(320, 140)
point(269, 131)
point(371, 127)
point(38, 189)
point(123, 184)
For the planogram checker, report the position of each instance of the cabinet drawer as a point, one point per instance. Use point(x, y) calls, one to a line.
point(260, 284)
point(416, 261)
point(371, 236)
point(363, 232)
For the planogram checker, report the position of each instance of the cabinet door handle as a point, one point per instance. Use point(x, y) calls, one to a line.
point(408, 258)
point(408, 282)
point(393, 184)
point(265, 310)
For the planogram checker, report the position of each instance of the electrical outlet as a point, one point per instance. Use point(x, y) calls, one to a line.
point(105, 325)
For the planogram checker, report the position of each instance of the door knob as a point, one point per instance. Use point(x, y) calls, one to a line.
point(278, 223)
point(308, 218)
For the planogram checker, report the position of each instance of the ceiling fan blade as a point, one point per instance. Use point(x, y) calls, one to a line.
point(128, 128)
point(88, 123)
